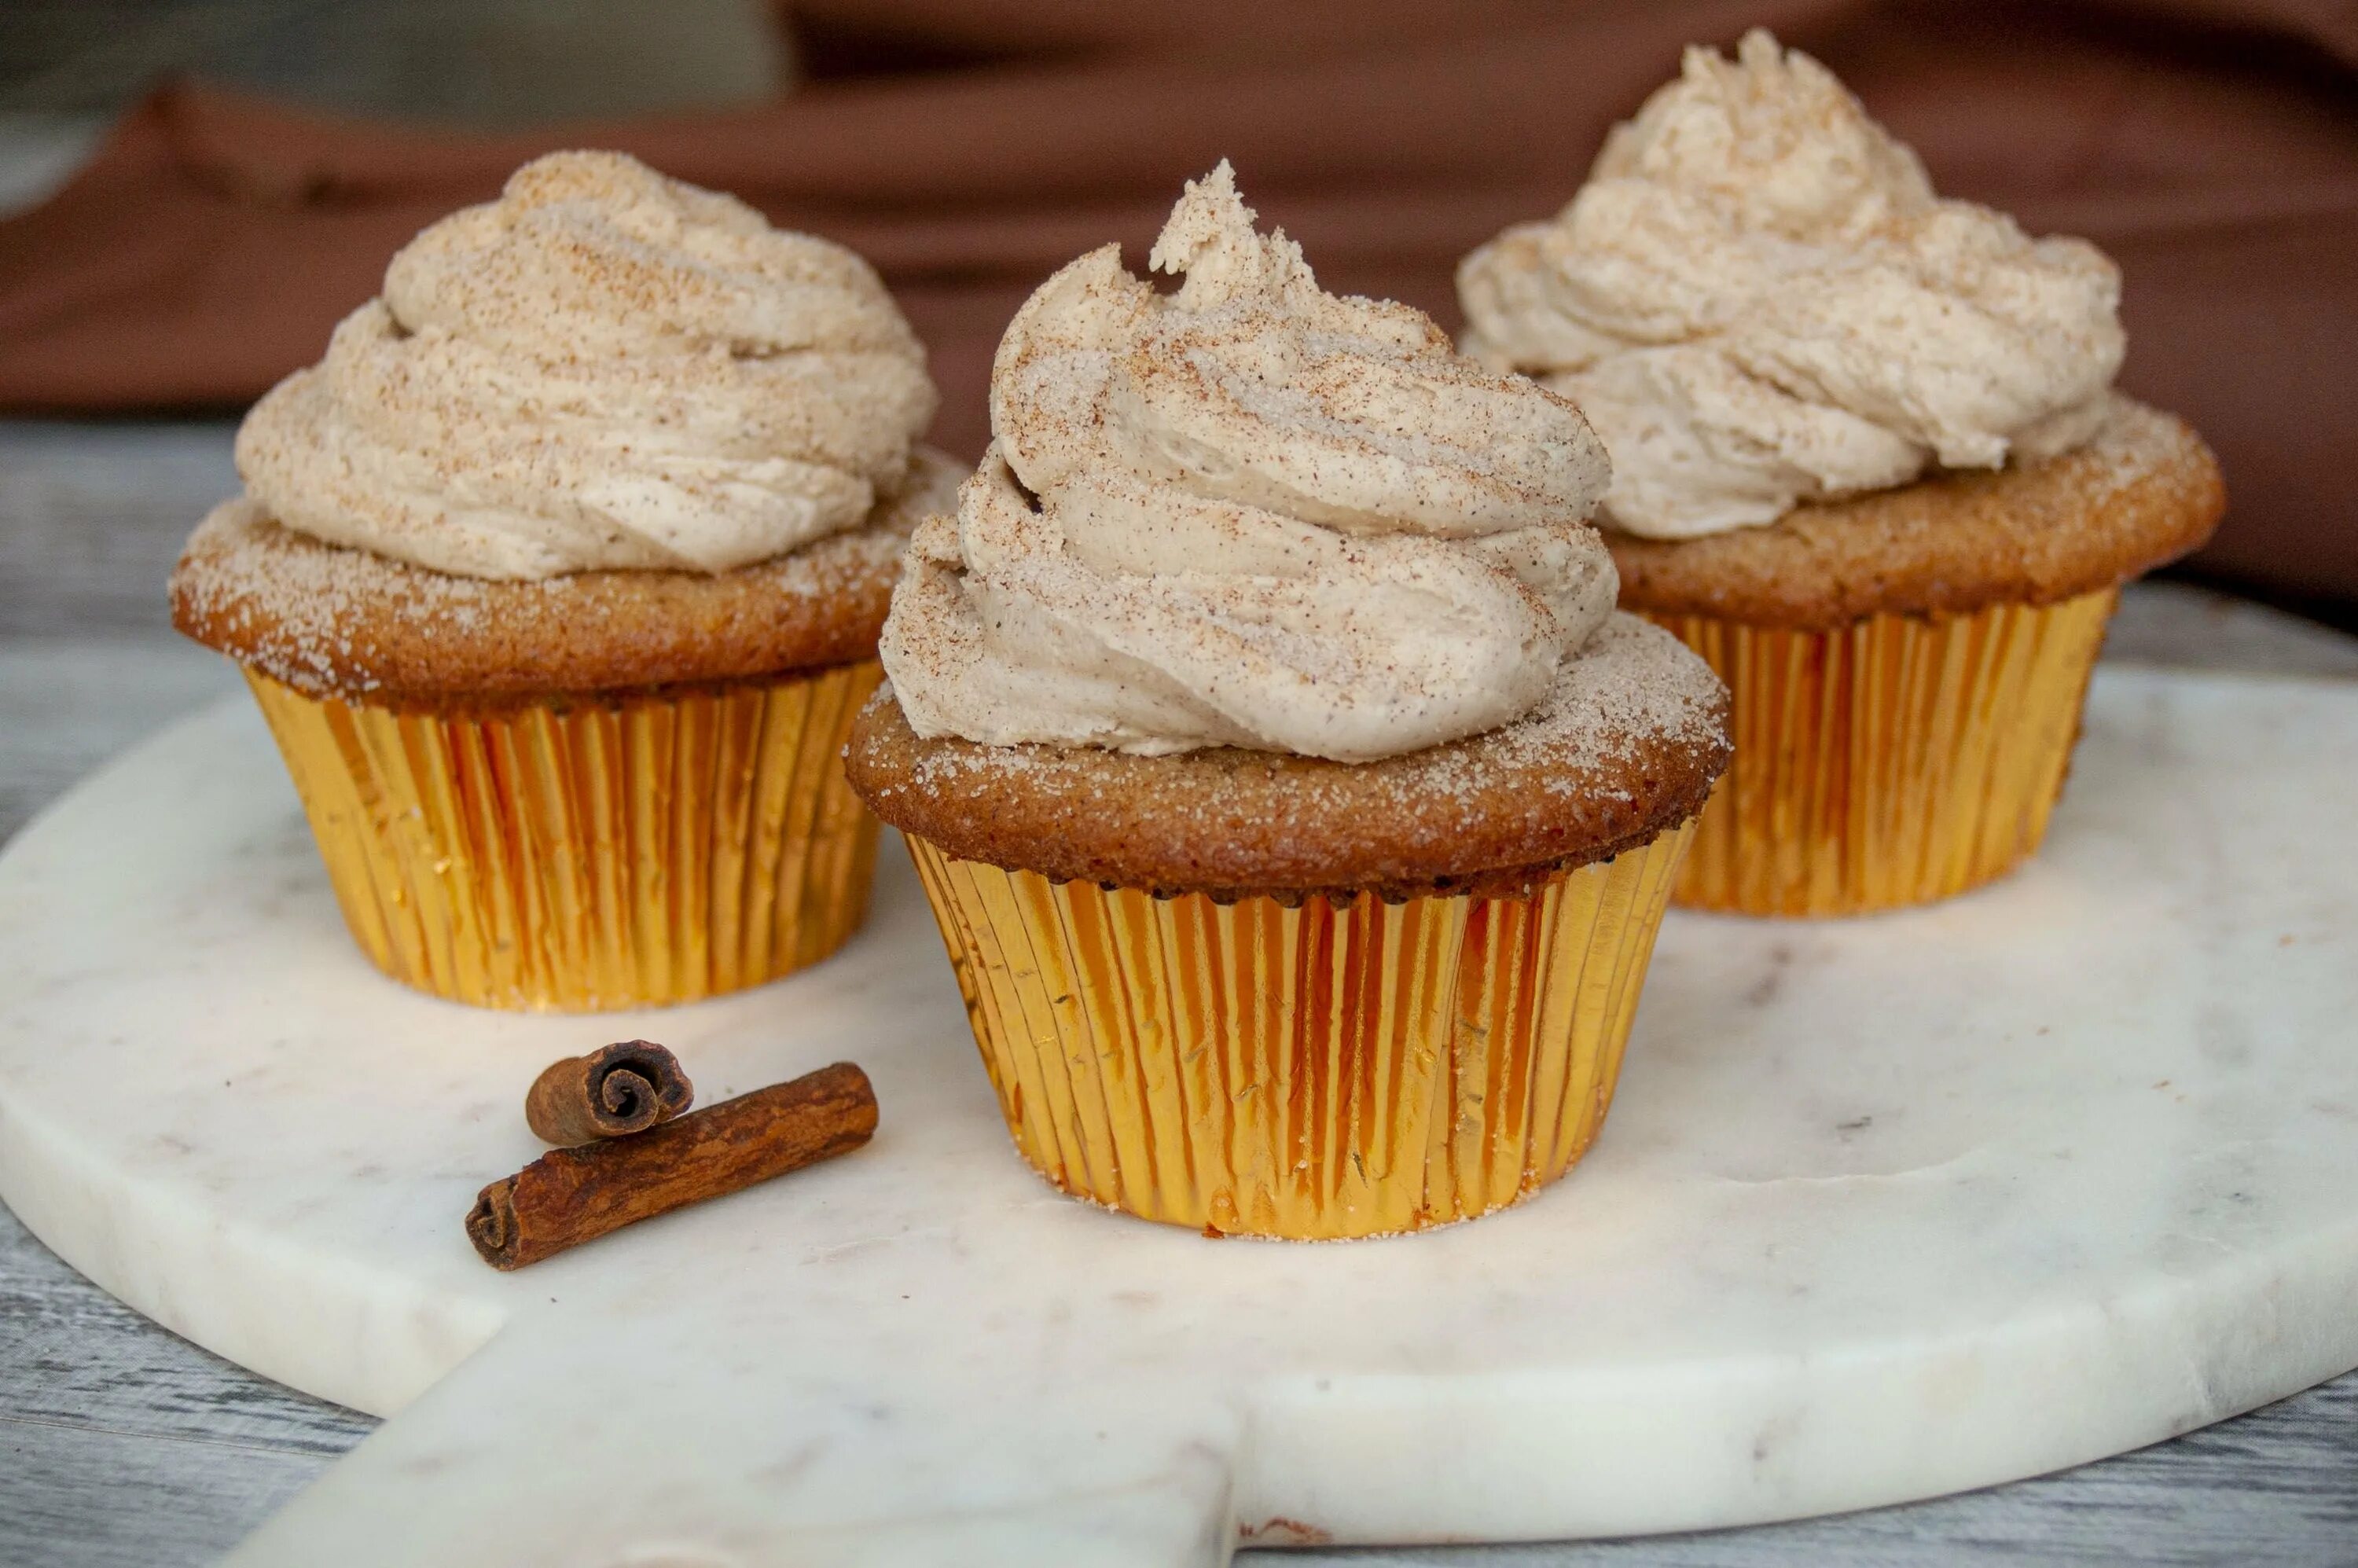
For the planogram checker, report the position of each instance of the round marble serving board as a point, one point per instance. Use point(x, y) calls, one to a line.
point(1886, 1209)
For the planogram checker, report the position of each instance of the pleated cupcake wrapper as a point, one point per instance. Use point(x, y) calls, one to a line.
point(587, 855)
point(1316, 1072)
point(1892, 762)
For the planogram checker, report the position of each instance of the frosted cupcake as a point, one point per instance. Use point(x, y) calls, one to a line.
point(558, 582)
point(1297, 813)
point(1867, 459)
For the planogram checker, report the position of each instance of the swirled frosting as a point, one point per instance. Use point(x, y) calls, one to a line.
point(1249, 513)
point(1757, 299)
point(604, 368)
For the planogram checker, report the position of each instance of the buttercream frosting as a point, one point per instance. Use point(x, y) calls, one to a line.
point(1248, 512)
point(1757, 299)
point(604, 368)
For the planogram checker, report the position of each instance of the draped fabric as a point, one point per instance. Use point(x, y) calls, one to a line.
point(2209, 146)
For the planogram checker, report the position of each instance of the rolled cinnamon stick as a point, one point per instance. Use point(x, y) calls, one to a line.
point(571, 1195)
point(626, 1087)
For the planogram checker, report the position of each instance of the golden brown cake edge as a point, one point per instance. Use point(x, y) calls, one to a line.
point(2145, 492)
point(332, 622)
point(1643, 742)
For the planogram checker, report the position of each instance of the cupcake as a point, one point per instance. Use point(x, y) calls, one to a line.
point(1297, 813)
point(1867, 459)
point(558, 582)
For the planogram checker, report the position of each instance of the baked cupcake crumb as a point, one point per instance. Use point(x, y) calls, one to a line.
point(2144, 491)
point(1626, 747)
point(339, 622)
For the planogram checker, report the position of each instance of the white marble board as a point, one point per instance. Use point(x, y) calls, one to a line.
point(1886, 1209)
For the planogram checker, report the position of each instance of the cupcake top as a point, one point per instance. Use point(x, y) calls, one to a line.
point(1758, 300)
point(603, 368)
point(1248, 513)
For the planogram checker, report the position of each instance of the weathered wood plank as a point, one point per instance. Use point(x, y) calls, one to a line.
point(104, 1499)
point(79, 1359)
point(120, 1443)
point(67, 704)
point(2176, 625)
point(93, 516)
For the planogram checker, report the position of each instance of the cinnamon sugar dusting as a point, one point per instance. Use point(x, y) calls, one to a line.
point(1633, 686)
point(335, 622)
point(603, 368)
point(1248, 513)
point(2143, 490)
point(1760, 301)
point(1625, 746)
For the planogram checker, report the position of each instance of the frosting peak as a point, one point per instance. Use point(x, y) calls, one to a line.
point(1758, 300)
point(1775, 141)
point(604, 368)
point(1248, 512)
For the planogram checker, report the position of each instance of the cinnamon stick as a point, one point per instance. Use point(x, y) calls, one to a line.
point(626, 1087)
point(571, 1195)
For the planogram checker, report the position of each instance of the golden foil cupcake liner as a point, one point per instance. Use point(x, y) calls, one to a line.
point(1310, 1072)
point(1892, 762)
point(589, 854)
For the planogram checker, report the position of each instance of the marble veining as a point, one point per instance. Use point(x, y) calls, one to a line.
point(1886, 1209)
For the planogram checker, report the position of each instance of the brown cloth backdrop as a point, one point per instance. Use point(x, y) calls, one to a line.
point(968, 149)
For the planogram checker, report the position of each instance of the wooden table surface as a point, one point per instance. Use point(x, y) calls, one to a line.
point(123, 1445)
